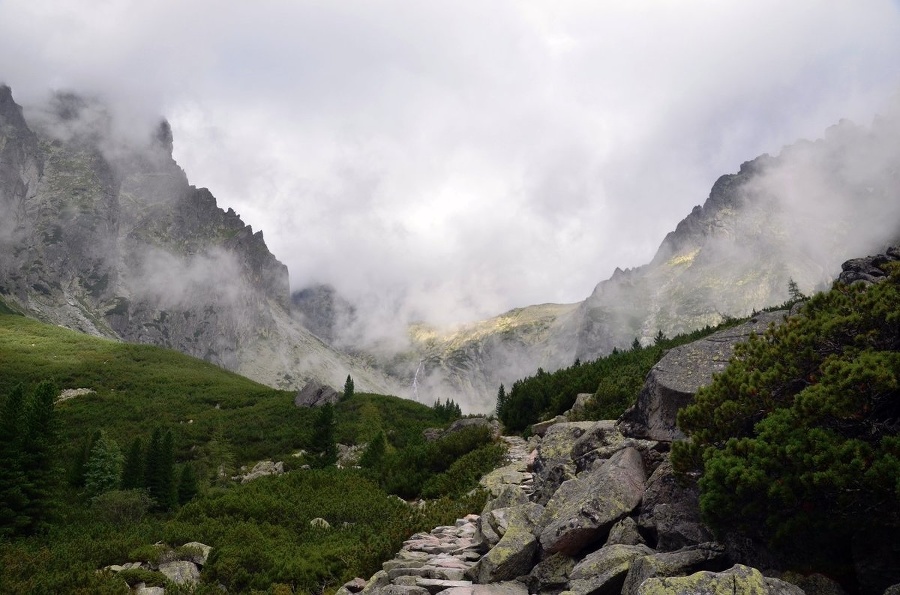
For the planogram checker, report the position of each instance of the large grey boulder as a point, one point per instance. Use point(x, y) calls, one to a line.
point(315, 394)
point(513, 555)
point(738, 580)
point(706, 556)
point(583, 510)
point(554, 464)
point(501, 588)
point(670, 510)
point(603, 572)
point(674, 380)
point(200, 552)
point(180, 572)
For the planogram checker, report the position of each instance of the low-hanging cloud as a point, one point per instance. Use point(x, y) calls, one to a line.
point(445, 162)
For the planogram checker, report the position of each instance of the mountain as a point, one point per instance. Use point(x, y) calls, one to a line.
point(101, 232)
point(793, 217)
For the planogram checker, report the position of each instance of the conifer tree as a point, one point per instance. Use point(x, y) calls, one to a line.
point(133, 468)
point(348, 388)
point(13, 499)
point(323, 436)
point(187, 484)
point(501, 401)
point(103, 471)
point(168, 490)
point(375, 452)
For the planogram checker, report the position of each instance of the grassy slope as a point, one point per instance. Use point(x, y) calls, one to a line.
point(139, 387)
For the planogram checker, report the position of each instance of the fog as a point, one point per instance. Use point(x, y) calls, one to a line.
point(445, 162)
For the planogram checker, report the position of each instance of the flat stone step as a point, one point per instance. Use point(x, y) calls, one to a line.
point(435, 586)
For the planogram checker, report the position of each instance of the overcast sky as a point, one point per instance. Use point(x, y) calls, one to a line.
point(457, 159)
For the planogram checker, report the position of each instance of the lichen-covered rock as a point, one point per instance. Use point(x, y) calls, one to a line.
point(706, 556)
point(541, 427)
point(583, 510)
point(670, 510)
point(180, 572)
point(601, 441)
point(551, 575)
point(625, 532)
point(201, 552)
point(603, 572)
point(674, 380)
point(776, 586)
point(513, 555)
point(554, 464)
point(738, 580)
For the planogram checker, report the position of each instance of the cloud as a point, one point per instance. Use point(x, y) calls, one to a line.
point(448, 161)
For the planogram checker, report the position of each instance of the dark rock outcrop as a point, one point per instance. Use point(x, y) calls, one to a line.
point(316, 394)
point(674, 380)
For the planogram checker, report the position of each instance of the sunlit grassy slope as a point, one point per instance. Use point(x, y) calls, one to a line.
point(140, 387)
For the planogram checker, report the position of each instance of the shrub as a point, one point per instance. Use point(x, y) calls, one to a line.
point(797, 439)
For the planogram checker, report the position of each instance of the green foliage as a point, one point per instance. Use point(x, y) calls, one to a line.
point(797, 439)
point(151, 578)
point(103, 471)
point(615, 381)
point(348, 388)
point(133, 466)
point(405, 472)
point(464, 473)
point(373, 456)
point(187, 484)
point(323, 442)
point(27, 442)
point(121, 507)
point(447, 411)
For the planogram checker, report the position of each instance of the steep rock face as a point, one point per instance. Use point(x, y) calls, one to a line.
point(796, 216)
point(103, 233)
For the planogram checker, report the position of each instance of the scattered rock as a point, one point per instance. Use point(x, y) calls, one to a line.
point(71, 393)
point(540, 428)
point(261, 469)
point(550, 576)
point(625, 532)
point(320, 523)
point(202, 550)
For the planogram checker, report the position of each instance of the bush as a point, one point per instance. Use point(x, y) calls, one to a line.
point(121, 507)
point(797, 440)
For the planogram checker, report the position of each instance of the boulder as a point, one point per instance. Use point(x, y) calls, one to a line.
point(501, 588)
point(583, 510)
point(868, 269)
point(355, 585)
point(776, 586)
point(263, 468)
point(180, 572)
point(706, 556)
point(601, 441)
point(581, 401)
point(319, 523)
point(551, 575)
point(143, 589)
point(625, 532)
point(513, 555)
point(603, 572)
point(673, 381)
point(378, 581)
point(540, 428)
point(817, 584)
point(738, 580)
point(201, 550)
point(670, 510)
point(554, 464)
point(403, 590)
point(314, 394)
point(474, 422)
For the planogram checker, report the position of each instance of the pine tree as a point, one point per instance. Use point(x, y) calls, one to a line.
point(39, 444)
point(348, 388)
point(187, 484)
point(75, 475)
point(133, 468)
point(103, 471)
point(323, 436)
point(13, 499)
point(168, 490)
point(374, 453)
point(501, 401)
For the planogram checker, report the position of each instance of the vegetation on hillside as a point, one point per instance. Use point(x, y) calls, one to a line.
point(615, 381)
point(148, 457)
point(797, 443)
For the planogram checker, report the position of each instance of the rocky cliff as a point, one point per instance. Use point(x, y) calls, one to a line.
point(795, 216)
point(103, 233)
